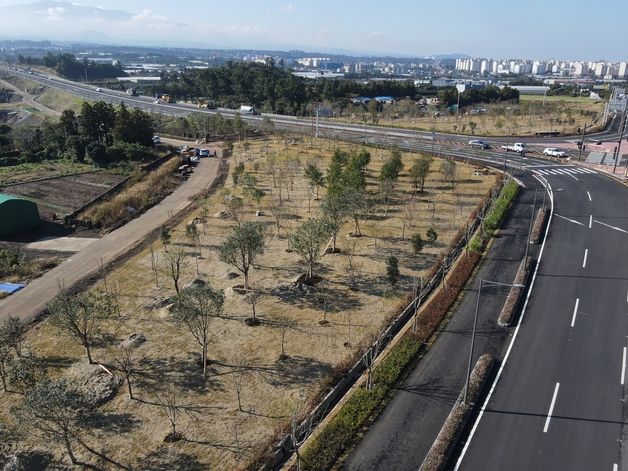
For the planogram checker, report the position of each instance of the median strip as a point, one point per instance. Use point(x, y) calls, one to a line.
point(508, 313)
point(451, 430)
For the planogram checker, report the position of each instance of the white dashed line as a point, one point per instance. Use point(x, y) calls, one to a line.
point(589, 195)
point(623, 367)
point(584, 261)
point(551, 408)
point(590, 221)
point(575, 312)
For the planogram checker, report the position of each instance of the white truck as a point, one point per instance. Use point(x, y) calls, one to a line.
point(519, 147)
point(246, 109)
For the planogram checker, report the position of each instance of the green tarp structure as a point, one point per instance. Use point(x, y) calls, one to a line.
point(17, 215)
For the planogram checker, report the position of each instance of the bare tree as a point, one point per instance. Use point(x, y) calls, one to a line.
point(194, 236)
point(253, 297)
point(124, 360)
point(170, 402)
point(154, 258)
point(277, 210)
point(81, 316)
point(174, 261)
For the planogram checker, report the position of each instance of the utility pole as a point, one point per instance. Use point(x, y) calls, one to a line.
point(582, 141)
point(621, 133)
point(317, 109)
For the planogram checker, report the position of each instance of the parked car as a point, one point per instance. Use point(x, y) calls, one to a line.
point(204, 153)
point(554, 152)
point(478, 143)
point(156, 139)
point(194, 160)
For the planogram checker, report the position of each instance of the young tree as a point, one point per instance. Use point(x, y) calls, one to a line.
point(392, 270)
point(357, 204)
point(448, 169)
point(124, 360)
point(419, 171)
point(5, 361)
point(242, 247)
point(12, 334)
point(173, 261)
point(335, 211)
point(196, 308)
point(81, 316)
point(431, 235)
point(194, 236)
point(238, 172)
point(308, 241)
point(165, 237)
point(417, 243)
point(315, 177)
point(25, 372)
point(253, 297)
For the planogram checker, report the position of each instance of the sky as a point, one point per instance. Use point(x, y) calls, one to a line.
point(534, 29)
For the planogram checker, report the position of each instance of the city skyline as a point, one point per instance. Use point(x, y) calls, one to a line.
point(523, 29)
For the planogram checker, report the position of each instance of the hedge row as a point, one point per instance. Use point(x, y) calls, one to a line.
point(338, 434)
point(495, 216)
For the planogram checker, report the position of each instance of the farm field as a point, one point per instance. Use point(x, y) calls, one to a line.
point(563, 114)
point(258, 375)
point(64, 194)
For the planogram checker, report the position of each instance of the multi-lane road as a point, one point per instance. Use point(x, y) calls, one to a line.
point(558, 400)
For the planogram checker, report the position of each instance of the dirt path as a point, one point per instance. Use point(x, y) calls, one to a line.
point(30, 99)
point(28, 303)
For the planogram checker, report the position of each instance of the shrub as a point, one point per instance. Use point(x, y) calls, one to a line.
point(431, 235)
point(417, 243)
point(329, 444)
point(392, 270)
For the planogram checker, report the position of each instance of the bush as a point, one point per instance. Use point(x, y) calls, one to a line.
point(329, 444)
point(417, 243)
point(431, 235)
point(392, 270)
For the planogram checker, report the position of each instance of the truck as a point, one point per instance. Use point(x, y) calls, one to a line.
point(167, 98)
point(246, 109)
point(519, 147)
point(131, 91)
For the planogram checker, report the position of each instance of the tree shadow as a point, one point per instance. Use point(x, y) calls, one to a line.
point(58, 362)
point(152, 373)
point(167, 459)
point(319, 297)
point(114, 423)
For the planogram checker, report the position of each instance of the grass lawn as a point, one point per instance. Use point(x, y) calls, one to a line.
point(31, 171)
point(281, 364)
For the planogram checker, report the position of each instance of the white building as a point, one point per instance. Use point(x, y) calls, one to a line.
point(623, 70)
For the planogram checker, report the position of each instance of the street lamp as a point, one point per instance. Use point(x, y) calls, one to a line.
point(475, 323)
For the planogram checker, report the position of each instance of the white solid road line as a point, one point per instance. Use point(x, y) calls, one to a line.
point(623, 367)
point(584, 262)
point(611, 227)
point(575, 312)
point(590, 221)
point(589, 195)
point(551, 409)
point(615, 468)
point(567, 219)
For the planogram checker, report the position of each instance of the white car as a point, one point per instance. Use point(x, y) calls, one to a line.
point(554, 152)
point(99, 89)
point(204, 153)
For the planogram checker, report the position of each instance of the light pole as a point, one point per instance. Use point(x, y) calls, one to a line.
point(475, 323)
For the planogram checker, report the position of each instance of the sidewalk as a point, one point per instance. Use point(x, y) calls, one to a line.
point(28, 303)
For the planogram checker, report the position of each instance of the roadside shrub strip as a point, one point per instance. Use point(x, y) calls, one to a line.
point(449, 434)
point(329, 444)
point(495, 216)
point(507, 315)
point(539, 225)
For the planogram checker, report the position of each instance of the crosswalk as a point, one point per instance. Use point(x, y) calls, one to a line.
point(564, 171)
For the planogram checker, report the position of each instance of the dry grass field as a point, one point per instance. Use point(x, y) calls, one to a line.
point(279, 365)
point(563, 114)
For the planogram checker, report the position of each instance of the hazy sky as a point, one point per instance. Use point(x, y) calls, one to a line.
point(569, 29)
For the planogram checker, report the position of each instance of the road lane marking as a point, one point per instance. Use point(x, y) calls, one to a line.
point(615, 468)
point(589, 195)
point(611, 227)
point(551, 408)
point(623, 367)
point(584, 262)
point(567, 219)
point(575, 312)
point(590, 221)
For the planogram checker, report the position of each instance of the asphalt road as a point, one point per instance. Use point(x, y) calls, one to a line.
point(31, 301)
point(559, 401)
point(403, 434)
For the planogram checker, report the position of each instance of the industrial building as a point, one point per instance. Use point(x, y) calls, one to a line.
point(17, 215)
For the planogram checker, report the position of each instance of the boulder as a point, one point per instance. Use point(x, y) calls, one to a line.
point(97, 384)
point(132, 341)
